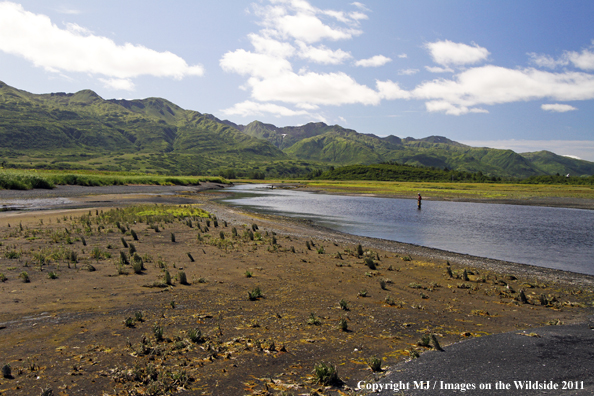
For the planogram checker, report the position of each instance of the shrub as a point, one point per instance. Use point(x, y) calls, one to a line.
point(83, 240)
point(326, 374)
point(134, 236)
point(424, 342)
point(24, 277)
point(190, 257)
point(254, 227)
point(343, 324)
point(129, 322)
point(375, 364)
point(273, 240)
point(383, 284)
point(123, 258)
point(167, 278)
point(52, 275)
point(158, 333)
point(344, 305)
point(362, 293)
point(132, 249)
point(172, 237)
point(3, 277)
point(195, 335)
point(124, 242)
point(435, 343)
point(221, 235)
point(234, 231)
point(359, 250)
point(138, 316)
point(181, 276)
point(6, 371)
point(255, 294)
point(313, 320)
point(248, 274)
point(370, 263)
point(321, 250)
point(406, 258)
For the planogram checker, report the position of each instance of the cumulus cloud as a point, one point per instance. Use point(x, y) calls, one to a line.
point(374, 61)
point(75, 49)
point(408, 72)
point(439, 69)
point(489, 85)
point(557, 107)
point(448, 53)
point(248, 108)
point(322, 54)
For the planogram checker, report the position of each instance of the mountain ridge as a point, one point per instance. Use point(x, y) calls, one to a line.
point(153, 134)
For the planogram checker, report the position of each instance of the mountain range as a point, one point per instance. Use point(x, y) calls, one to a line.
point(83, 130)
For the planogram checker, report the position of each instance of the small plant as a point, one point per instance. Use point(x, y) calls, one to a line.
point(134, 236)
point(132, 249)
point(190, 257)
point(344, 305)
point(195, 335)
point(321, 250)
point(359, 250)
point(382, 284)
point(390, 301)
point(254, 227)
point(424, 342)
point(3, 277)
point(343, 324)
point(234, 232)
point(449, 272)
point(370, 263)
point(83, 240)
point(172, 304)
point(465, 276)
point(375, 364)
point(6, 371)
point(124, 242)
point(167, 278)
point(181, 276)
point(435, 343)
point(413, 354)
point(326, 374)
point(123, 258)
point(138, 316)
point(129, 322)
point(313, 320)
point(172, 237)
point(24, 277)
point(406, 258)
point(255, 294)
point(307, 245)
point(52, 275)
point(273, 241)
point(522, 297)
point(415, 285)
point(362, 293)
point(221, 235)
point(158, 332)
point(248, 274)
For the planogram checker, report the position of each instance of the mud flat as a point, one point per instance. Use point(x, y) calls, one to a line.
point(88, 323)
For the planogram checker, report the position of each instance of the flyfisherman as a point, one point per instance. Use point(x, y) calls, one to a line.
point(419, 199)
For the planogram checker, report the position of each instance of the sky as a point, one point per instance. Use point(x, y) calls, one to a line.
point(513, 74)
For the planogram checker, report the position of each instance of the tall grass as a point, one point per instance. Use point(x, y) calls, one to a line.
point(27, 180)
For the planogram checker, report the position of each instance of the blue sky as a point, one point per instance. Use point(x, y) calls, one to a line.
point(504, 74)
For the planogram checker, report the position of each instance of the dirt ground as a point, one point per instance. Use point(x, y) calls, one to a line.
point(100, 328)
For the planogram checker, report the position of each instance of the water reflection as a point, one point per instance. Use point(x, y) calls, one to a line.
point(548, 237)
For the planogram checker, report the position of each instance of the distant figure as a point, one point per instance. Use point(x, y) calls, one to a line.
point(419, 199)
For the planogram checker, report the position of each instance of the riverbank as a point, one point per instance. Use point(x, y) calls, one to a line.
point(96, 332)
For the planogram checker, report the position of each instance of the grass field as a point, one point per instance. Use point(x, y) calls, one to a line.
point(29, 179)
point(451, 190)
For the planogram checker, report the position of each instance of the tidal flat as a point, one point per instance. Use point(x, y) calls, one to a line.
point(154, 295)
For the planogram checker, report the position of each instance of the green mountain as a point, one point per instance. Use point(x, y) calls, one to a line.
point(339, 146)
point(82, 130)
point(150, 134)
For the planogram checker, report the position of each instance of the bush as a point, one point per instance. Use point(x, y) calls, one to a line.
point(359, 250)
point(370, 263)
point(344, 305)
point(24, 277)
point(375, 364)
point(255, 294)
point(181, 276)
point(326, 374)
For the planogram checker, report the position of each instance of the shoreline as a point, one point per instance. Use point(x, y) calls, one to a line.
point(82, 197)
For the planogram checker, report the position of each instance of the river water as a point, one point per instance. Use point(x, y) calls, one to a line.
point(548, 237)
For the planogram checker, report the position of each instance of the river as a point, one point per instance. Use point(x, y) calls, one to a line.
point(547, 237)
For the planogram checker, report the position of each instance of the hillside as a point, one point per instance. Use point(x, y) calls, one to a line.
point(149, 134)
point(339, 146)
point(84, 131)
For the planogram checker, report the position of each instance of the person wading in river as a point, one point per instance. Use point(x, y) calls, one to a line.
point(419, 199)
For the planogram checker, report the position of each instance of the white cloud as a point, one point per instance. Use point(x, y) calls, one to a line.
point(374, 61)
point(254, 64)
point(266, 45)
point(322, 54)
point(547, 61)
point(35, 38)
point(313, 88)
point(391, 90)
point(296, 19)
point(583, 60)
point(448, 53)
point(403, 56)
point(557, 107)
point(118, 84)
point(408, 72)
point(438, 69)
point(572, 156)
point(490, 85)
point(360, 6)
point(578, 148)
point(249, 108)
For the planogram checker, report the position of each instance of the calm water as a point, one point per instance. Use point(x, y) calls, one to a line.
point(548, 237)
